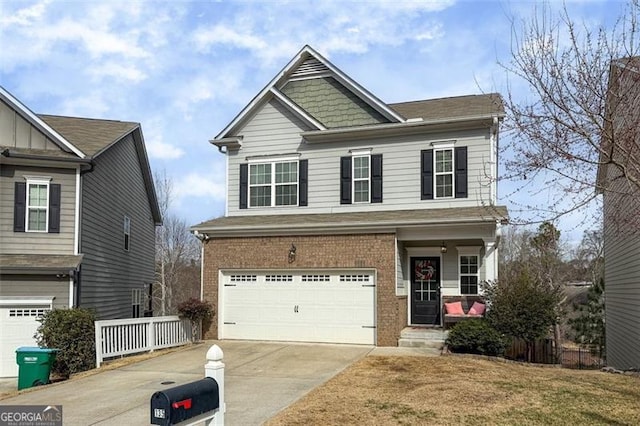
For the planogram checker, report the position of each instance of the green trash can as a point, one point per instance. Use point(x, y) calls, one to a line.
point(34, 365)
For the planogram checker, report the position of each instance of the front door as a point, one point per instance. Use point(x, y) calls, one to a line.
point(425, 290)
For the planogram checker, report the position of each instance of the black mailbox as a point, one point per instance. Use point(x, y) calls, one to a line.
point(183, 402)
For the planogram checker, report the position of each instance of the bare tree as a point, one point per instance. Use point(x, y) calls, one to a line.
point(588, 257)
point(177, 255)
point(562, 129)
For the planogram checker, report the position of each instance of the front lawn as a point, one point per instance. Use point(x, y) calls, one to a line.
point(458, 390)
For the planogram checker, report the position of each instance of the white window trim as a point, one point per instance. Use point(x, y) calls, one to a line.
point(273, 184)
point(32, 180)
point(443, 145)
point(436, 173)
point(468, 251)
point(354, 155)
point(127, 232)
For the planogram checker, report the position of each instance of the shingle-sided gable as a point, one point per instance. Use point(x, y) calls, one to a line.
point(308, 64)
point(331, 103)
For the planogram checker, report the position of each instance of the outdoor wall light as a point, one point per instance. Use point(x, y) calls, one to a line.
point(292, 253)
point(443, 248)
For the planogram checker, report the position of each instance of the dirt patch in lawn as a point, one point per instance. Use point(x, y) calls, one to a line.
point(453, 390)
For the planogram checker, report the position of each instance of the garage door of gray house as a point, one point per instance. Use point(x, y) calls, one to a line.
point(425, 290)
point(301, 306)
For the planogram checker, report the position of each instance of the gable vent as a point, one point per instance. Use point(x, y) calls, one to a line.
point(309, 67)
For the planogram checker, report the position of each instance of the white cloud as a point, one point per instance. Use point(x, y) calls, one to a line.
point(206, 38)
point(92, 104)
point(156, 146)
point(199, 185)
point(162, 150)
point(117, 71)
point(26, 16)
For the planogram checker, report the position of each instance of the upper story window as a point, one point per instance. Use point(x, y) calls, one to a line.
point(444, 172)
point(361, 178)
point(277, 182)
point(36, 206)
point(273, 184)
point(127, 232)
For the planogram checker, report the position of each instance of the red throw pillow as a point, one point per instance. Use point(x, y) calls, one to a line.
point(477, 309)
point(454, 308)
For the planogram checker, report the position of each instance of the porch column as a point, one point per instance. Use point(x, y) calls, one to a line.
point(490, 260)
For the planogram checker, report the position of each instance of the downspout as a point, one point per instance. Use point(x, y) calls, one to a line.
point(493, 147)
point(78, 274)
point(202, 271)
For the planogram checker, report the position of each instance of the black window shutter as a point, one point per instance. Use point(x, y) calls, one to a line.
point(426, 171)
point(19, 206)
point(376, 178)
point(54, 208)
point(461, 172)
point(244, 185)
point(345, 180)
point(303, 187)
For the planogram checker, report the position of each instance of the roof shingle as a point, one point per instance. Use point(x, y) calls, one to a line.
point(91, 136)
point(453, 107)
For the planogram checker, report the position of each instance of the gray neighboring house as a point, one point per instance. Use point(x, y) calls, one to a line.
point(77, 220)
point(621, 201)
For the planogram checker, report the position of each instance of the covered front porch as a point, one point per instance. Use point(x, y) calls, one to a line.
point(441, 263)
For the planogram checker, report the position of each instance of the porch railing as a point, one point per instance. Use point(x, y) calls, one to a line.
point(134, 335)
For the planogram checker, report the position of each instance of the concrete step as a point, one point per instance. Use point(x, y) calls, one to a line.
point(436, 345)
point(436, 334)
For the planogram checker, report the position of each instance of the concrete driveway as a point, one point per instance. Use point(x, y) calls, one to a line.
point(260, 380)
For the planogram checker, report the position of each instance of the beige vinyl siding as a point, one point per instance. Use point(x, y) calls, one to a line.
point(16, 132)
point(115, 188)
point(36, 286)
point(37, 242)
point(622, 281)
point(274, 131)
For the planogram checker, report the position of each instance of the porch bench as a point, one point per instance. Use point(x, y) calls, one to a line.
point(466, 303)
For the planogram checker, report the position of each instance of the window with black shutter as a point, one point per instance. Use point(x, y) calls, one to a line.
point(37, 206)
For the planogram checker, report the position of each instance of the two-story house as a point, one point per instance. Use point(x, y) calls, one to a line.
point(77, 220)
point(347, 218)
point(619, 181)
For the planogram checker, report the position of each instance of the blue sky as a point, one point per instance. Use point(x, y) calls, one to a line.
point(184, 69)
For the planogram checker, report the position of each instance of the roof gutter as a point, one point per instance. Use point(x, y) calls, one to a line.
point(342, 227)
point(391, 128)
point(234, 143)
point(7, 153)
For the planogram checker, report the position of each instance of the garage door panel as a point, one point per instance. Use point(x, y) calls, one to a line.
point(305, 307)
point(18, 325)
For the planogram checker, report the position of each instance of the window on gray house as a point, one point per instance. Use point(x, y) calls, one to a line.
point(127, 233)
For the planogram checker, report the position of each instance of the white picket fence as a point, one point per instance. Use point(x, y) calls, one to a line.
point(129, 336)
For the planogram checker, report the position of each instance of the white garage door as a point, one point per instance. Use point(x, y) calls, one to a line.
point(299, 307)
point(17, 328)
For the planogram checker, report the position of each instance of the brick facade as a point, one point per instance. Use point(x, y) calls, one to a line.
point(375, 251)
